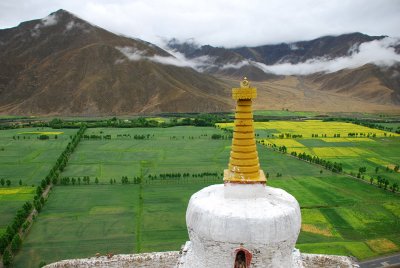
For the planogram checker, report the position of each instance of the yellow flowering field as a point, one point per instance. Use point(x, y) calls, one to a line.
point(364, 147)
point(308, 128)
point(41, 133)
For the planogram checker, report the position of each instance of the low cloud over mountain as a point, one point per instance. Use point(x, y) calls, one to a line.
point(64, 65)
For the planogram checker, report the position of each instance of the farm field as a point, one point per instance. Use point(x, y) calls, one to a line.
point(179, 149)
point(11, 200)
point(27, 158)
point(340, 215)
point(376, 149)
point(89, 223)
point(25, 161)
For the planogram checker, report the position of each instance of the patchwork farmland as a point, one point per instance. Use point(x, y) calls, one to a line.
point(351, 145)
point(165, 166)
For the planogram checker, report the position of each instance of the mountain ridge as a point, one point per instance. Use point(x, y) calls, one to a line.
point(63, 65)
point(50, 69)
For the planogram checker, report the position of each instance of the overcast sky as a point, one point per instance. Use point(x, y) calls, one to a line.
point(226, 23)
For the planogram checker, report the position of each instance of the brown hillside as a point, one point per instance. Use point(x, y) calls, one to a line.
point(369, 83)
point(53, 70)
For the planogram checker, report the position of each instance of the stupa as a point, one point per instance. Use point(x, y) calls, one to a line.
point(243, 222)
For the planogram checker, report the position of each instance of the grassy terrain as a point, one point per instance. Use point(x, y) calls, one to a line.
point(11, 200)
point(27, 158)
point(283, 113)
point(381, 151)
point(89, 223)
point(343, 216)
point(340, 215)
point(178, 149)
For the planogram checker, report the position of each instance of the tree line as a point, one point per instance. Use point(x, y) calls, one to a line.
point(11, 238)
point(368, 123)
point(86, 180)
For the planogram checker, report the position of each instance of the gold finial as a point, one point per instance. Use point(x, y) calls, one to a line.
point(245, 83)
point(244, 165)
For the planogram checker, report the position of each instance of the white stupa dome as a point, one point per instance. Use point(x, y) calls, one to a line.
point(249, 223)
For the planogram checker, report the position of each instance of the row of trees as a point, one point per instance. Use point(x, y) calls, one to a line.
point(221, 137)
point(384, 183)
point(138, 180)
point(337, 167)
point(333, 166)
point(377, 126)
point(97, 137)
point(12, 236)
point(5, 182)
point(175, 120)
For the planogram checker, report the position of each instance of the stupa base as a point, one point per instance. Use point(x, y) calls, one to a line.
point(242, 223)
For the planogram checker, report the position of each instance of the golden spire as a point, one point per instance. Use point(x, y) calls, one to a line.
point(244, 166)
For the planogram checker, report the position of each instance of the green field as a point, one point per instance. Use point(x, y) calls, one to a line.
point(11, 200)
point(108, 218)
point(340, 215)
point(371, 148)
point(284, 113)
point(27, 158)
point(178, 149)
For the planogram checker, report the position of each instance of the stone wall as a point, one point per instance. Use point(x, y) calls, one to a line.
point(171, 258)
point(144, 260)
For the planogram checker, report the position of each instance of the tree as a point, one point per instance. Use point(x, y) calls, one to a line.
point(2, 182)
point(3, 243)
point(7, 258)
point(96, 180)
point(396, 168)
point(20, 182)
point(376, 169)
point(394, 187)
point(8, 182)
point(15, 243)
point(386, 183)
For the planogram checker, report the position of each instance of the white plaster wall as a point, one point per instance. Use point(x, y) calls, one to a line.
point(266, 222)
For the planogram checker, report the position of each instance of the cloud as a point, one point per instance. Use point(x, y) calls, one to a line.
point(49, 20)
point(70, 25)
point(221, 22)
point(45, 22)
point(176, 58)
point(237, 65)
point(379, 52)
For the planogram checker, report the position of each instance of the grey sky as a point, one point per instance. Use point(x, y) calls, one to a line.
point(220, 22)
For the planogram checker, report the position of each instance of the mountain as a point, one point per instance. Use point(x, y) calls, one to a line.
point(328, 47)
point(369, 83)
point(65, 65)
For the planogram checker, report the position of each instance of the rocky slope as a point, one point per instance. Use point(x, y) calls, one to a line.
point(64, 65)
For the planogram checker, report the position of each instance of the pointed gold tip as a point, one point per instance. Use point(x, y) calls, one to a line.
point(245, 83)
